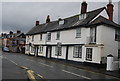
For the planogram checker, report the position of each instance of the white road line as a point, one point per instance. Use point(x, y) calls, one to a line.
point(46, 65)
point(76, 74)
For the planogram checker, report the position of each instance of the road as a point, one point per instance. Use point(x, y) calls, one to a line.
point(52, 70)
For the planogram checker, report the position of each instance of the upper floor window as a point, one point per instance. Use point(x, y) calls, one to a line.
point(77, 51)
point(78, 32)
point(117, 34)
point(61, 22)
point(82, 16)
point(58, 35)
point(48, 36)
point(40, 36)
point(33, 38)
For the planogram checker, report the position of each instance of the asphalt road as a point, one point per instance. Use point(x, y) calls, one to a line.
point(50, 69)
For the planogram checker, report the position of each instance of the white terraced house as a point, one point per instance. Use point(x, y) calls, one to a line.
point(86, 37)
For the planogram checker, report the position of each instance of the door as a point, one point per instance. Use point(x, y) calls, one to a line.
point(48, 51)
point(67, 52)
point(36, 51)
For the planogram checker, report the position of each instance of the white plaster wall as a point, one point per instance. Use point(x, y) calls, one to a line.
point(106, 36)
point(63, 56)
point(69, 37)
point(37, 39)
point(96, 54)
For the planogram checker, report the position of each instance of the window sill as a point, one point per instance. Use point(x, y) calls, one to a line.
point(77, 37)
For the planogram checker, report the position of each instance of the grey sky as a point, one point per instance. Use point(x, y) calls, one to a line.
point(22, 15)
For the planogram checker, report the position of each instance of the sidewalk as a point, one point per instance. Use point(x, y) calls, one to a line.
point(12, 72)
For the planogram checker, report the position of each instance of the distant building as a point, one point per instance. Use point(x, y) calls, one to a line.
point(14, 41)
point(86, 37)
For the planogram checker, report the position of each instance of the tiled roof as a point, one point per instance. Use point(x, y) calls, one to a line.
point(103, 20)
point(70, 22)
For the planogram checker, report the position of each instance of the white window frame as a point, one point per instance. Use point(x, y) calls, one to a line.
point(78, 33)
point(40, 50)
point(89, 52)
point(58, 35)
point(82, 16)
point(32, 49)
point(58, 51)
point(32, 37)
point(48, 36)
point(77, 53)
point(40, 37)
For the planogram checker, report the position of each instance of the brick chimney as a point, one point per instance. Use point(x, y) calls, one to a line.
point(48, 19)
point(110, 10)
point(18, 31)
point(10, 32)
point(37, 23)
point(83, 7)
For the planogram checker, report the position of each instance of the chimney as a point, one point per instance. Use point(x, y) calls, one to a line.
point(37, 23)
point(10, 32)
point(18, 31)
point(48, 19)
point(110, 10)
point(83, 7)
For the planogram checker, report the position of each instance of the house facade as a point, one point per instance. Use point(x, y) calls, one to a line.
point(14, 41)
point(86, 37)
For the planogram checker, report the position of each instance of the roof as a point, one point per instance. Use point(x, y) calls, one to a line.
point(104, 20)
point(70, 22)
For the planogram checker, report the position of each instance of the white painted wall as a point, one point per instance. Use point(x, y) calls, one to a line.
point(69, 37)
point(106, 36)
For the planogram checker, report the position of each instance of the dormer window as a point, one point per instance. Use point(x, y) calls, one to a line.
point(82, 16)
point(61, 21)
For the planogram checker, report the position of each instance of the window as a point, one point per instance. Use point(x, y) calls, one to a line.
point(58, 35)
point(61, 22)
point(92, 38)
point(40, 36)
point(82, 16)
point(49, 36)
point(32, 38)
point(78, 32)
point(32, 50)
point(89, 54)
point(117, 34)
point(58, 51)
point(27, 48)
point(40, 49)
point(118, 53)
point(77, 51)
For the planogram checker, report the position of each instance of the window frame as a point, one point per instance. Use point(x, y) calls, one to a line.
point(40, 50)
point(89, 52)
point(48, 36)
point(58, 35)
point(58, 51)
point(40, 37)
point(32, 37)
point(78, 33)
point(77, 52)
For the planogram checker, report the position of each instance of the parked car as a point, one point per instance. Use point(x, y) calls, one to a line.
point(6, 49)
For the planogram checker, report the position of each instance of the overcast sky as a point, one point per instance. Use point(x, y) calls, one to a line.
point(22, 15)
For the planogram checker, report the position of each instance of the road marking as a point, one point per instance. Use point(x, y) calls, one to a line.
point(46, 65)
point(76, 74)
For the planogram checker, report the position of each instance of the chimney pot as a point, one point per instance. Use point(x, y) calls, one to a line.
point(110, 10)
point(37, 23)
point(10, 32)
point(48, 19)
point(18, 31)
point(83, 7)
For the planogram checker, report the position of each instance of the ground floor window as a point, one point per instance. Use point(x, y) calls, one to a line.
point(32, 49)
point(89, 54)
point(77, 53)
point(27, 48)
point(58, 51)
point(40, 50)
point(118, 53)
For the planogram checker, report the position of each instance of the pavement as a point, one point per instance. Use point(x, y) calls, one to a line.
point(50, 68)
point(88, 66)
point(12, 72)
